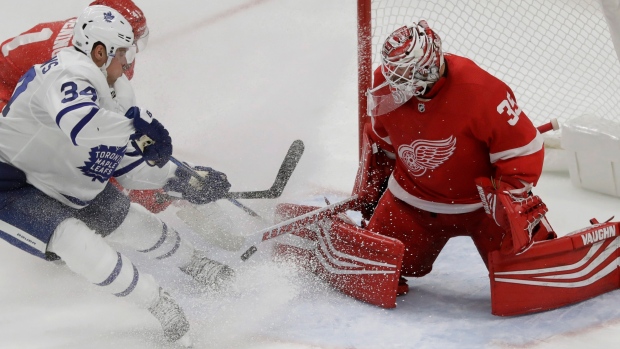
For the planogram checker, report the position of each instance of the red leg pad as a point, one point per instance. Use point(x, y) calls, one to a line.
point(557, 272)
point(357, 262)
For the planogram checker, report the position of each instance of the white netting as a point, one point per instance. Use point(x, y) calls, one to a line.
point(556, 55)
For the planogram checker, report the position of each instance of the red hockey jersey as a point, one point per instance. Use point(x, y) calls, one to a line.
point(469, 126)
point(34, 46)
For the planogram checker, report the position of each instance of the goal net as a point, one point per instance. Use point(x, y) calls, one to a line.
point(556, 55)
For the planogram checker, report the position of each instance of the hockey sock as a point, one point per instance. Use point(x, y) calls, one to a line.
point(88, 255)
point(146, 233)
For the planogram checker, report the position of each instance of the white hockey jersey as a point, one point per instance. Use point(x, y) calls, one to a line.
point(65, 131)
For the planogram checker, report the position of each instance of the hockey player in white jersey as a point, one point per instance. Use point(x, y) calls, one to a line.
point(62, 136)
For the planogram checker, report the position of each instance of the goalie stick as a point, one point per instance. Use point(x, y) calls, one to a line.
point(290, 225)
point(349, 203)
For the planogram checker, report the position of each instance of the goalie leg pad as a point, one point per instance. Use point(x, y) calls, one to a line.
point(557, 272)
point(357, 262)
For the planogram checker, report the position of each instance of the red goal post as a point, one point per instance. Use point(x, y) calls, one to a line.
point(556, 55)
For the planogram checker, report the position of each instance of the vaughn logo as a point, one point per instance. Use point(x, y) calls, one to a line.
point(599, 234)
point(103, 162)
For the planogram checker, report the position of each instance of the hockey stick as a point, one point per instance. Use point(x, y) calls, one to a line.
point(287, 167)
point(202, 181)
point(284, 173)
point(290, 225)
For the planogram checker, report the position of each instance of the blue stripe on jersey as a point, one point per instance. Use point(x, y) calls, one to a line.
point(80, 125)
point(128, 168)
point(22, 84)
point(72, 108)
point(134, 153)
point(77, 201)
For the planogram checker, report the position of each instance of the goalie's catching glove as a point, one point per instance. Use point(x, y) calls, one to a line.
point(517, 211)
point(213, 186)
point(151, 137)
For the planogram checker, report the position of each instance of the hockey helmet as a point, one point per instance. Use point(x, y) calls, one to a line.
point(411, 58)
point(103, 24)
point(134, 15)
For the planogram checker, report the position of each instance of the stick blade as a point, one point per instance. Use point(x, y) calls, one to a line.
point(289, 164)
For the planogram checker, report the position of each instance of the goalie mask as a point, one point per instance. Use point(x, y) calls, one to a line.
point(411, 59)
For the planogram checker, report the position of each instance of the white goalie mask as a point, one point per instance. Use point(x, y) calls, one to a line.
point(411, 59)
point(104, 24)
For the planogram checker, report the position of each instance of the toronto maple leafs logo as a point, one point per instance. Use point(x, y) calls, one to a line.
point(424, 155)
point(108, 16)
point(102, 162)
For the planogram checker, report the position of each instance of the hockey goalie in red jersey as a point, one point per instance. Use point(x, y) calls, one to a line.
point(447, 151)
point(449, 134)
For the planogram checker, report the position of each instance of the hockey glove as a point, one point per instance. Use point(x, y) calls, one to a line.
point(517, 211)
point(213, 186)
point(372, 175)
point(156, 148)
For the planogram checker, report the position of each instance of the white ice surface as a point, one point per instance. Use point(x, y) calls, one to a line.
point(236, 82)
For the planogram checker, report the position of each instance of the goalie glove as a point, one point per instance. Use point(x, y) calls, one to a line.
point(213, 186)
point(373, 173)
point(517, 211)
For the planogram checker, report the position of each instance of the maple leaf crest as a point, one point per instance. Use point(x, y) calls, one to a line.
point(102, 162)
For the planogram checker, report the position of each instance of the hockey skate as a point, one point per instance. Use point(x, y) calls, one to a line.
point(172, 319)
point(209, 273)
